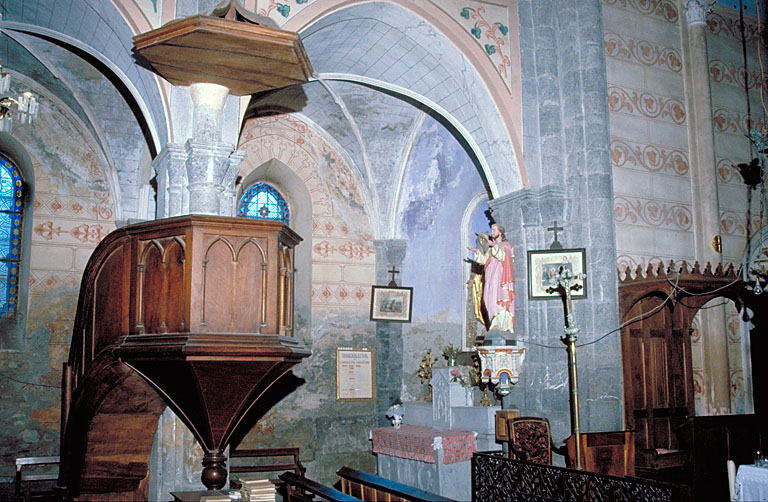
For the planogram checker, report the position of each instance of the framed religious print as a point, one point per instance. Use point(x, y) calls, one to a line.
point(544, 265)
point(354, 374)
point(391, 303)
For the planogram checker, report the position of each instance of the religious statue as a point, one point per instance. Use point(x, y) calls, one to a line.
point(498, 290)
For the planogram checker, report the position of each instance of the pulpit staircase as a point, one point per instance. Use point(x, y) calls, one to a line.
point(194, 313)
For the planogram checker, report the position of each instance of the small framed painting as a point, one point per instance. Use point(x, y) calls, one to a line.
point(544, 265)
point(391, 303)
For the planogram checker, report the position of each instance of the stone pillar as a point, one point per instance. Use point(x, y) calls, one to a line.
point(701, 136)
point(389, 335)
point(227, 185)
point(175, 461)
point(172, 194)
point(209, 167)
point(704, 196)
point(566, 144)
point(199, 175)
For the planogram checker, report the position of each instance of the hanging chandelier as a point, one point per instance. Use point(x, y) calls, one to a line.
point(24, 106)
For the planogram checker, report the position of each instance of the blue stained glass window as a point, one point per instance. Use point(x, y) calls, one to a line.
point(10, 235)
point(265, 202)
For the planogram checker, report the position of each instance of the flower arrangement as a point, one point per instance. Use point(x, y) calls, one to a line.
point(450, 354)
point(396, 414)
point(462, 374)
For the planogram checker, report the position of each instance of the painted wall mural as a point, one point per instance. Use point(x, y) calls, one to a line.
point(643, 52)
point(646, 104)
point(651, 158)
point(663, 9)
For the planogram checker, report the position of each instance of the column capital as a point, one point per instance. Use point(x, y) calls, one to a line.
point(696, 11)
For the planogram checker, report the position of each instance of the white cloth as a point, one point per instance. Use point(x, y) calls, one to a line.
point(751, 483)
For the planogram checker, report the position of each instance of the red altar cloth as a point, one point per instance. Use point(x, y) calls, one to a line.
point(423, 443)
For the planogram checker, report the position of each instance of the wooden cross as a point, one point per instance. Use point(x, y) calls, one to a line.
point(555, 243)
point(393, 272)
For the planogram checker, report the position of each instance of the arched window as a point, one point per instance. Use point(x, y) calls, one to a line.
point(11, 197)
point(264, 201)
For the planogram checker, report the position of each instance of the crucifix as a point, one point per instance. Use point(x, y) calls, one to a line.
point(394, 271)
point(565, 282)
point(555, 243)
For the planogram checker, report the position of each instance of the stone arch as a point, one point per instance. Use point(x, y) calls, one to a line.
point(296, 193)
point(313, 172)
point(505, 98)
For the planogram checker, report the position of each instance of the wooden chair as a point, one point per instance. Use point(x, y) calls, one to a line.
point(530, 438)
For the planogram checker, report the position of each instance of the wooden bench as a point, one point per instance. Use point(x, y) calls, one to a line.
point(300, 489)
point(21, 477)
point(372, 488)
point(284, 464)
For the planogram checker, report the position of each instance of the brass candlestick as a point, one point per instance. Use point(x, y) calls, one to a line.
point(425, 372)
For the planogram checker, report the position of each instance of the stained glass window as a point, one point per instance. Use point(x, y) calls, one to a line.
point(265, 202)
point(10, 236)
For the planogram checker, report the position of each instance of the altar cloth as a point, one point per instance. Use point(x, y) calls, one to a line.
point(752, 483)
point(422, 443)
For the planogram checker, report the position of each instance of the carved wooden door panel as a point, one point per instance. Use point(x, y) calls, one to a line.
point(658, 385)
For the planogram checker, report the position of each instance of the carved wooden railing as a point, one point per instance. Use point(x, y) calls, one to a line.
point(496, 478)
point(193, 312)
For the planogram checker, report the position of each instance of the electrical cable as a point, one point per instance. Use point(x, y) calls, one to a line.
point(649, 313)
point(3, 375)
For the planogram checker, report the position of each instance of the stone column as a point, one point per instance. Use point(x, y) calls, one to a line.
point(208, 161)
point(705, 197)
point(170, 166)
point(198, 175)
point(701, 136)
point(389, 335)
point(227, 191)
point(566, 145)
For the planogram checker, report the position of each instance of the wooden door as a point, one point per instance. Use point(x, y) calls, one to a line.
point(658, 387)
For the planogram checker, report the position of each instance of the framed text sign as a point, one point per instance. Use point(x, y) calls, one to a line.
point(391, 303)
point(354, 374)
point(544, 265)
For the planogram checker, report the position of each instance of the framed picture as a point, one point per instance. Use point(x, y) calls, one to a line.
point(354, 374)
point(545, 264)
point(390, 303)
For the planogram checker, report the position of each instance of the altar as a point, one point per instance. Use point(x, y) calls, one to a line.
point(425, 458)
point(433, 449)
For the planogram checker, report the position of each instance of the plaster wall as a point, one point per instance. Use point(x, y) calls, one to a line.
point(658, 203)
point(72, 211)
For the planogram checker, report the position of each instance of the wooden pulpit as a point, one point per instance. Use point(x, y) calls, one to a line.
point(193, 312)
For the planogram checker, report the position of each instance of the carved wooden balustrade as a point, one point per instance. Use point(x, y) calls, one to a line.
point(193, 312)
